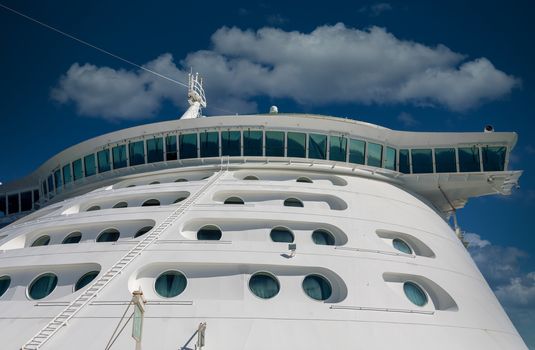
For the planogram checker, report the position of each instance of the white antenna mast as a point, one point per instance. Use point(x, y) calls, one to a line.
point(196, 98)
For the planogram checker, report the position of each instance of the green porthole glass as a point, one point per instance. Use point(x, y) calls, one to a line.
point(74, 237)
point(43, 240)
point(42, 286)
point(85, 280)
point(264, 285)
point(317, 287)
point(142, 231)
point(170, 284)
point(402, 246)
point(322, 237)
point(5, 281)
point(415, 294)
point(281, 234)
point(109, 235)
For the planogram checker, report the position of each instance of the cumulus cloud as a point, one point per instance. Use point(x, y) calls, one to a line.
point(332, 64)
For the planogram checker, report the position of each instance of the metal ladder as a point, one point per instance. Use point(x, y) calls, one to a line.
point(39, 339)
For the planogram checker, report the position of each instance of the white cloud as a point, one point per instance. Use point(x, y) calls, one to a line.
point(332, 64)
point(474, 240)
point(520, 291)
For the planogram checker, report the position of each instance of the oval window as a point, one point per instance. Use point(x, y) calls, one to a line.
point(93, 208)
point(85, 280)
point(43, 240)
point(293, 202)
point(317, 287)
point(155, 183)
point(42, 286)
point(181, 180)
point(109, 235)
point(264, 285)
point(74, 237)
point(142, 231)
point(5, 281)
point(304, 179)
point(250, 177)
point(131, 186)
point(415, 294)
point(281, 234)
point(209, 233)
point(402, 246)
point(120, 205)
point(322, 237)
point(180, 199)
point(170, 284)
point(151, 203)
point(233, 200)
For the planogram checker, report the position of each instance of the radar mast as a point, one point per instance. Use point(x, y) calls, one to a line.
point(196, 97)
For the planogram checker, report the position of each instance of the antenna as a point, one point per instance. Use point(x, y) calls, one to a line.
point(196, 97)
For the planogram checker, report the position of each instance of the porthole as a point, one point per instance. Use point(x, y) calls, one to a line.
point(120, 205)
point(155, 183)
point(233, 200)
point(317, 287)
point(415, 293)
point(130, 186)
point(181, 180)
point(209, 233)
point(43, 240)
point(293, 202)
point(109, 235)
point(304, 179)
point(151, 203)
point(142, 231)
point(5, 281)
point(74, 237)
point(281, 234)
point(264, 285)
point(322, 237)
point(250, 177)
point(85, 280)
point(93, 208)
point(42, 286)
point(179, 199)
point(170, 284)
point(402, 246)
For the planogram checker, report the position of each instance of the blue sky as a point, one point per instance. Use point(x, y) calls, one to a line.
point(411, 65)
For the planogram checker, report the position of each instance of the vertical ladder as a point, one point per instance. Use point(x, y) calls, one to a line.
point(39, 339)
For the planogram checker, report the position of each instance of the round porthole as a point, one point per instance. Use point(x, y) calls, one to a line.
point(317, 287)
point(42, 286)
point(170, 284)
point(209, 233)
point(130, 186)
point(180, 199)
point(109, 235)
point(120, 205)
point(322, 237)
point(293, 202)
point(43, 240)
point(304, 179)
point(250, 177)
point(415, 293)
point(142, 231)
point(281, 234)
point(181, 180)
point(402, 246)
point(151, 203)
point(264, 285)
point(74, 237)
point(93, 208)
point(5, 281)
point(155, 183)
point(233, 200)
point(85, 280)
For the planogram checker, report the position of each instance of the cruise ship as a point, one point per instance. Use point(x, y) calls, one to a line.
point(266, 231)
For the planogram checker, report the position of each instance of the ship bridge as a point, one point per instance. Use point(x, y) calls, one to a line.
point(443, 168)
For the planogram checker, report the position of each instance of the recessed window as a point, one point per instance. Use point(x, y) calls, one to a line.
point(155, 183)
point(181, 180)
point(109, 235)
point(402, 246)
point(304, 179)
point(209, 233)
point(293, 202)
point(264, 285)
point(120, 205)
point(42, 286)
point(74, 237)
point(317, 287)
point(170, 284)
point(142, 231)
point(180, 199)
point(93, 208)
point(250, 177)
point(151, 203)
point(85, 280)
point(5, 281)
point(415, 294)
point(322, 237)
point(131, 186)
point(281, 234)
point(43, 240)
point(233, 200)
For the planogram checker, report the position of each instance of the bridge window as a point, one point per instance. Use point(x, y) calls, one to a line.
point(209, 144)
point(90, 165)
point(356, 151)
point(26, 201)
point(375, 154)
point(233, 200)
point(78, 170)
point(422, 161)
point(493, 158)
point(103, 160)
point(151, 203)
point(338, 148)
point(155, 150)
point(13, 203)
point(74, 237)
point(5, 281)
point(170, 284)
point(281, 234)
point(296, 143)
point(136, 151)
point(322, 237)
point(42, 286)
point(317, 146)
point(230, 143)
point(404, 162)
point(209, 233)
point(170, 148)
point(109, 235)
point(188, 146)
point(252, 143)
point(293, 202)
point(57, 179)
point(264, 285)
point(50, 182)
point(415, 294)
point(445, 160)
point(469, 159)
point(390, 158)
point(3, 211)
point(67, 174)
point(85, 280)
point(41, 241)
point(317, 287)
point(275, 143)
point(119, 156)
